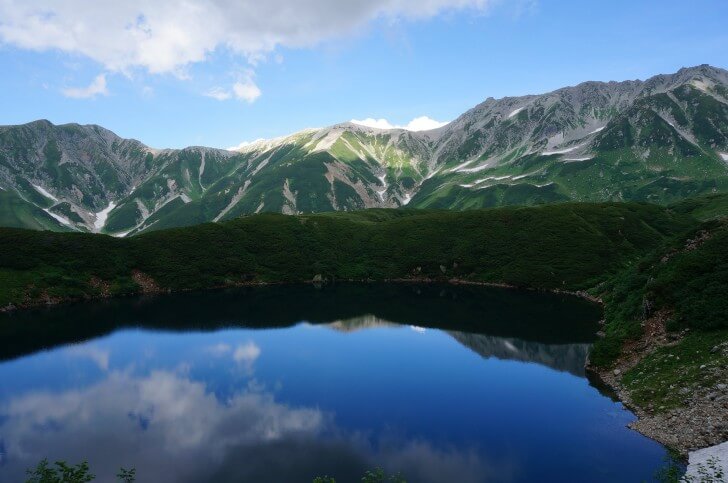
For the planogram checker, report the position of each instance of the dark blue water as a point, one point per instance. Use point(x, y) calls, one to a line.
point(283, 384)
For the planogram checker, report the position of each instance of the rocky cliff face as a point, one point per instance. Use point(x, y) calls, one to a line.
point(657, 140)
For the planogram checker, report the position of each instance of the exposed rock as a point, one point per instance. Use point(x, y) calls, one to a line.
point(146, 283)
point(103, 287)
point(687, 428)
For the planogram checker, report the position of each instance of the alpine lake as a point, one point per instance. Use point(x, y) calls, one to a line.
point(285, 383)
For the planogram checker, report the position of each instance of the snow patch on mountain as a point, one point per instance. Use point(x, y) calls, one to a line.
point(526, 175)
point(383, 180)
point(102, 215)
point(234, 201)
point(202, 169)
point(475, 169)
point(481, 181)
point(45, 193)
point(585, 158)
point(515, 113)
point(59, 218)
point(460, 167)
point(562, 151)
point(432, 173)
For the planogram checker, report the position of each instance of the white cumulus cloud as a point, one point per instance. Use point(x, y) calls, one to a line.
point(246, 90)
point(422, 123)
point(165, 36)
point(96, 88)
point(246, 353)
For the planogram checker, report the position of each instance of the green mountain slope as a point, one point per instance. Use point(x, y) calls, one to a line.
point(660, 140)
point(18, 213)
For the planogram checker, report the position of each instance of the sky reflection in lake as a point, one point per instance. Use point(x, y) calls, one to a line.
point(219, 400)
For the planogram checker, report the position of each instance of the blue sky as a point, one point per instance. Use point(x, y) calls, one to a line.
point(147, 70)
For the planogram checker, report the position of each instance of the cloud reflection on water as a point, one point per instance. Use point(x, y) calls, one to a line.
point(171, 428)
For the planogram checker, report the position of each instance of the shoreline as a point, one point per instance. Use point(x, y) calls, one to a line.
point(701, 422)
point(149, 287)
point(674, 429)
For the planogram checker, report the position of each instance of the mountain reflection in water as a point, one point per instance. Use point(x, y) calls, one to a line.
point(561, 357)
point(286, 383)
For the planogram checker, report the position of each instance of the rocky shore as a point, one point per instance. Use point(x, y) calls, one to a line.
point(700, 420)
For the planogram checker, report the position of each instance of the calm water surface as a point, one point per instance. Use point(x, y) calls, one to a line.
point(282, 384)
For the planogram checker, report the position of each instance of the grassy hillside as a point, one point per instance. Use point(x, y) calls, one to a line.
point(15, 212)
point(687, 280)
point(568, 246)
point(704, 207)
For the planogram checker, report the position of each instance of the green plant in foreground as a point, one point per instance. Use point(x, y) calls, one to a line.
point(62, 472)
point(371, 476)
point(378, 476)
point(127, 476)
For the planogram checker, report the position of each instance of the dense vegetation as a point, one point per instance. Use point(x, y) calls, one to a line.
point(687, 279)
point(62, 472)
point(569, 246)
point(681, 288)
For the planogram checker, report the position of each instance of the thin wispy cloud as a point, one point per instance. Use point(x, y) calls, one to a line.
point(96, 88)
point(245, 89)
point(219, 93)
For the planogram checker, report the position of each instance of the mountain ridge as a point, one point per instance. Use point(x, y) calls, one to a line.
point(658, 140)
